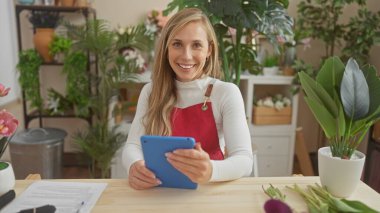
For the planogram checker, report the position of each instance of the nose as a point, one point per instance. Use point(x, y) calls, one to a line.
point(187, 53)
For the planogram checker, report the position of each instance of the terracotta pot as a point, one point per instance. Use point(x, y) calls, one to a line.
point(340, 176)
point(81, 3)
point(42, 38)
point(67, 3)
point(7, 178)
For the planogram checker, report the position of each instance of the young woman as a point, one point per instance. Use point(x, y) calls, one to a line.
point(185, 99)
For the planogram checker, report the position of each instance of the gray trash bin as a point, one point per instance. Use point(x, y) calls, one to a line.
point(37, 150)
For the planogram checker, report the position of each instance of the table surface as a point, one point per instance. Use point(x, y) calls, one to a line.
point(243, 195)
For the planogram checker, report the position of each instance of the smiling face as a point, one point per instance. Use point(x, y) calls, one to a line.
point(188, 51)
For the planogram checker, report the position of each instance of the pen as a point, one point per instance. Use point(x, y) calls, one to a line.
point(80, 207)
point(41, 209)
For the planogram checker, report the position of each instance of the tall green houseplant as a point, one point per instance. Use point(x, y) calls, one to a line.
point(101, 142)
point(321, 19)
point(345, 101)
point(267, 17)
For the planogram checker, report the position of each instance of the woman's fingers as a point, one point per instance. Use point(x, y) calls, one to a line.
point(194, 163)
point(141, 177)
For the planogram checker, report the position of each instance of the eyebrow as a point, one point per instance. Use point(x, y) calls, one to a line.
point(191, 41)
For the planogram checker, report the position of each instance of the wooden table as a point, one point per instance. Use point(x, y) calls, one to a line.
point(243, 195)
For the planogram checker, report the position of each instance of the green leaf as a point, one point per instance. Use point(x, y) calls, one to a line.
point(373, 82)
point(359, 206)
point(354, 91)
point(331, 75)
point(316, 92)
point(3, 165)
point(342, 206)
point(323, 116)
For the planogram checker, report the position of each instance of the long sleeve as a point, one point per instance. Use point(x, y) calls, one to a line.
point(132, 150)
point(236, 134)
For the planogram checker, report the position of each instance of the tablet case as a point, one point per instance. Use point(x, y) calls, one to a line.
point(154, 149)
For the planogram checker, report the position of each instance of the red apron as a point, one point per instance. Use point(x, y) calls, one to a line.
point(198, 121)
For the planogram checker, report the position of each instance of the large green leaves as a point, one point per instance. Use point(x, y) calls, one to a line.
point(323, 116)
point(331, 75)
point(373, 81)
point(316, 92)
point(354, 91)
point(344, 101)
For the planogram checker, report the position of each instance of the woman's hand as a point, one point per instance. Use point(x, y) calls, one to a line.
point(194, 163)
point(141, 177)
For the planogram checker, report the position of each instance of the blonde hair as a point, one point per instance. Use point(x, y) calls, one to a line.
point(157, 120)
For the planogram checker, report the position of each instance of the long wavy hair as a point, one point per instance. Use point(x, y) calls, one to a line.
point(157, 120)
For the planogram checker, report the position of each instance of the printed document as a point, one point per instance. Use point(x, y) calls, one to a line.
point(67, 197)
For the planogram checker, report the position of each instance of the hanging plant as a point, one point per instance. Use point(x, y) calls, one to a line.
point(29, 65)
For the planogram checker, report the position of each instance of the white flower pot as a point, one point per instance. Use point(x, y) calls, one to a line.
point(270, 71)
point(340, 176)
point(7, 179)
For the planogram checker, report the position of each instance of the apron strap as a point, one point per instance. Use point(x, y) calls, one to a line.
point(208, 94)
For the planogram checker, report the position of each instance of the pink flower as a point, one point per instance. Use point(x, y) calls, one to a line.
point(161, 19)
point(3, 91)
point(306, 42)
point(8, 123)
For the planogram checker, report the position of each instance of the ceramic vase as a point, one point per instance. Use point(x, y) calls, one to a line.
point(270, 71)
point(7, 179)
point(340, 176)
point(42, 38)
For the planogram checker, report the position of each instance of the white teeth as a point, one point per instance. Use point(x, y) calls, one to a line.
point(186, 66)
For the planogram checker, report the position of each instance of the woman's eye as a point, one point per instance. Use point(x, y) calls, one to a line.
point(197, 45)
point(176, 44)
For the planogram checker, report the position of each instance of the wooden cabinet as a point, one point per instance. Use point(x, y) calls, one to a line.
point(275, 142)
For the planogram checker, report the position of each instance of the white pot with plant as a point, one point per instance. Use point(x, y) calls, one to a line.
point(8, 125)
point(270, 65)
point(345, 102)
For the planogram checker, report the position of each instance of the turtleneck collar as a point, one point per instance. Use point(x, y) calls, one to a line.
point(197, 83)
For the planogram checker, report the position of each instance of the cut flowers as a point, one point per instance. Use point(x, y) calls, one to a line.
point(277, 101)
point(8, 125)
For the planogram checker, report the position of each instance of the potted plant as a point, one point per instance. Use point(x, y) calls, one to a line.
point(101, 141)
point(8, 125)
point(59, 47)
point(359, 34)
point(28, 65)
point(235, 20)
point(270, 65)
point(44, 23)
point(346, 102)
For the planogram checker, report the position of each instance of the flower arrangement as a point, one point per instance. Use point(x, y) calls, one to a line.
point(44, 19)
point(277, 101)
point(345, 101)
point(8, 125)
point(155, 21)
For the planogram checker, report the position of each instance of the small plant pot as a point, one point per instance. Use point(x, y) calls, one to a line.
point(42, 38)
point(7, 178)
point(67, 3)
point(270, 71)
point(340, 176)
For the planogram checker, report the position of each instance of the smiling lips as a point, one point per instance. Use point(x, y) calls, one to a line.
point(186, 66)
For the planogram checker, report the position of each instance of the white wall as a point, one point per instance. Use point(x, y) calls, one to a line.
point(8, 52)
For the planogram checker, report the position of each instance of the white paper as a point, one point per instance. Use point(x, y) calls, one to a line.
point(67, 197)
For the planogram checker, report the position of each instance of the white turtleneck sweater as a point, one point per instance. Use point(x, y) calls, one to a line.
point(230, 119)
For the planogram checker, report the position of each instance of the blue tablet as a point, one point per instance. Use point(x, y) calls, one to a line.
point(154, 149)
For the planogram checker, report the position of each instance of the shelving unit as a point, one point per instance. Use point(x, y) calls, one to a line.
point(86, 12)
point(275, 143)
